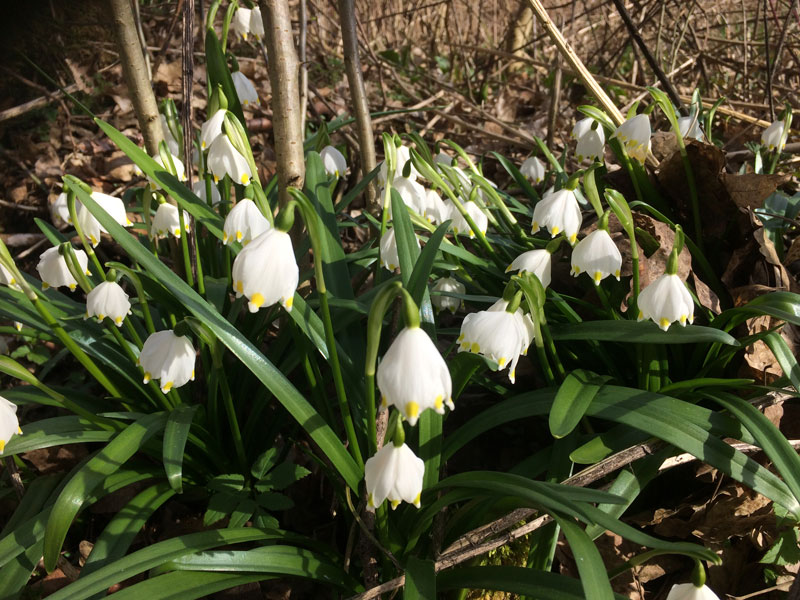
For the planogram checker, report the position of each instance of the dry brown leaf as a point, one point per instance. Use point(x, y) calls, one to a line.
point(651, 267)
point(767, 249)
point(81, 76)
point(793, 254)
point(751, 189)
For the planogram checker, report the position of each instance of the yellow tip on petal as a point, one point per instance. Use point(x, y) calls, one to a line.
point(93, 240)
point(395, 504)
point(239, 286)
point(19, 430)
point(224, 238)
point(288, 303)
point(573, 238)
point(370, 501)
point(216, 179)
point(502, 362)
point(475, 347)
point(167, 386)
point(147, 377)
point(72, 287)
point(554, 231)
point(640, 316)
point(438, 403)
point(257, 300)
point(239, 235)
point(663, 322)
point(245, 179)
point(417, 500)
point(118, 321)
point(460, 337)
point(202, 145)
point(412, 410)
point(45, 285)
point(2, 445)
point(598, 275)
point(384, 403)
point(683, 319)
point(616, 274)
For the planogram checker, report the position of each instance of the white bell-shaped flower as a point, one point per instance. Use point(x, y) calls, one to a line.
point(266, 271)
point(388, 250)
point(591, 145)
point(443, 158)
point(53, 268)
point(533, 169)
point(180, 169)
point(9, 424)
point(498, 335)
point(245, 89)
point(244, 223)
point(459, 224)
point(403, 155)
point(199, 188)
point(169, 358)
point(413, 376)
point(256, 24)
point(108, 300)
point(167, 222)
point(60, 209)
point(224, 159)
point(665, 301)
point(581, 128)
point(8, 278)
point(695, 132)
point(413, 194)
point(437, 212)
point(635, 136)
point(212, 129)
point(172, 143)
point(396, 473)
point(771, 136)
point(559, 212)
point(689, 591)
point(91, 227)
point(597, 255)
point(334, 161)
point(538, 262)
point(240, 23)
point(451, 285)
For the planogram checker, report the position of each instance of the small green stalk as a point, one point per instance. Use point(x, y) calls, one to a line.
point(73, 215)
point(187, 261)
point(137, 285)
point(230, 410)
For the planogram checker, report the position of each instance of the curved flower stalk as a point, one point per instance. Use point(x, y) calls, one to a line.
point(53, 269)
point(635, 136)
point(169, 358)
point(266, 272)
point(9, 424)
point(245, 89)
point(559, 212)
point(244, 223)
point(167, 221)
point(334, 161)
point(447, 284)
point(538, 262)
point(394, 473)
point(597, 254)
point(499, 334)
point(91, 227)
point(413, 376)
point(533, 169)
point(108, 300)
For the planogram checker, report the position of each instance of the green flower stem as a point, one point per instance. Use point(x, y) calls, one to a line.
point(187, 261)
point(372, 423)
point(543, 362)
point(73, 347)
point(147, 201)
point(137, 285)
point(551, 347)
point(687, 167)
point(123, 343)
point(312, 222)
point(73, 215)
point(230, 410)
point(603, 296)
point(509, 218)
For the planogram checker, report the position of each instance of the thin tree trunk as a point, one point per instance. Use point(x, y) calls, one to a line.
point(358, 93)
point(135, 71)
point(283, 70)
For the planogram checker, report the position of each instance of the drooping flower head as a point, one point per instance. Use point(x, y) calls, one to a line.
point(538, 262)
point(199, 188)
point(591, 145)
point(53, 269)
point(437, 211)
point(245, 89)
point(334, 161)
point(447, 284)
point(695, 132)
point(597, 255)
point(91, 227)
point(388, 250)
point(771, 136)
point(224, 159)
point(559, 212)
point(413, 194)
point(244, 223)
point(665, 301)
point(394, 473)
point(9, 424)
point(689, 591)
point(169, 358)
point(212, 129)
point(108, 299)
point(413, 375)
point(635, 136)
point(266, 272)
point(167, 221)
point(256, 23)
point(240, 23)
point(459, 224)
point(180, 169)
point(8, 278)
point(533, 169)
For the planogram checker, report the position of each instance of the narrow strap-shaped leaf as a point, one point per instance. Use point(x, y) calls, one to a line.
point(156, 554)
point(420, 580)
point(239, 345)
point(519, 178)
point(78, 488)
point(181, 585)
point(590, 564)
point(54, 432)
point(176, 431)
point(418, 281)
point(516, 580)
point(407, 248)
point(120, 532)
point(785, 357)
point(644, 332)
point(16, 573)
point(572, 399)
point(36, 495)
point(219, 74)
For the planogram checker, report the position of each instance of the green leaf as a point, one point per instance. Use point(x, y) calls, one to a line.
point(418, 282)
point(239, 345)
point(55, 432)
point(81, 485)
point(278, 559)
point(785, 357)
point(181, 585)
point(157, 554)
point(645, 332)
point(264, 462)
point(785, 550)
point(572, 399)
point(407, 246)
point(590, 565)
point(516, 580)
point(519, 178)
point(420, 580)
point(219, 74)
point(176, 431)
